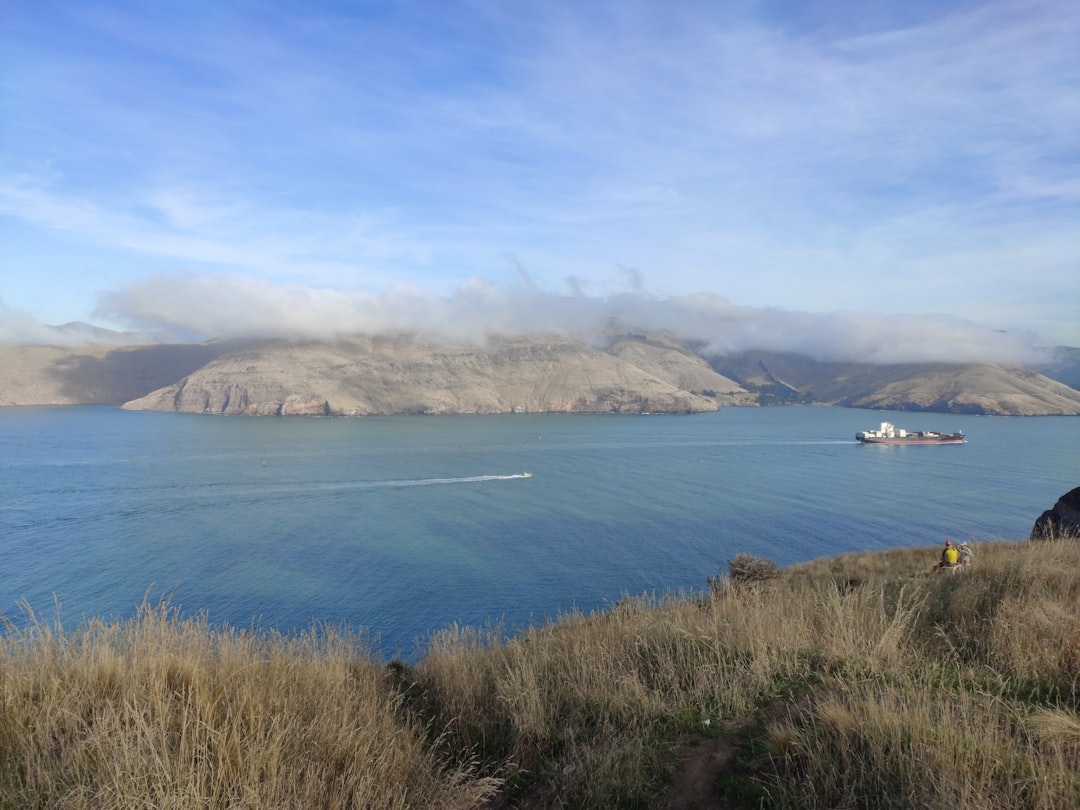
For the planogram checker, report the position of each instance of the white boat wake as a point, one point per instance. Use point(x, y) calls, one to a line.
point(426, 482)
point(254, 491)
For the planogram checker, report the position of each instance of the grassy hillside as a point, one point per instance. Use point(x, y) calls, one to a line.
point(856, 681)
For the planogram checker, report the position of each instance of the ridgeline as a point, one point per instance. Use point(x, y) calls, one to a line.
point(628, 372)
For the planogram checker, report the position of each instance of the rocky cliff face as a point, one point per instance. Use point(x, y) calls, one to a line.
point(1063, 521)
point(387, 375)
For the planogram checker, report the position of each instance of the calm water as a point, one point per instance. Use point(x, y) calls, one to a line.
point(403, 525)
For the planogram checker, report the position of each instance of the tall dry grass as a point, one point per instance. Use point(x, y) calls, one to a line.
point(858, 681)
point(590, 707)
point(868, 681)
point(163, 712)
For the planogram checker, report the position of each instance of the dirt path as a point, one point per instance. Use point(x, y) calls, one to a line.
point(694, 785)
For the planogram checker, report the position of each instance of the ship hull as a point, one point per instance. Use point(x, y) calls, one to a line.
point(906, 440)
point(890, 434)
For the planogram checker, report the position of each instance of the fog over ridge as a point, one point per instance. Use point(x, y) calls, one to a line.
point(208, 306)
point(213, 306)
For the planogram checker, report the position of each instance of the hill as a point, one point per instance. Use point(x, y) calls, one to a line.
point(364, 376)
point(95, 373)
point(939, 387)
point(1063, 366)
point(630, 371)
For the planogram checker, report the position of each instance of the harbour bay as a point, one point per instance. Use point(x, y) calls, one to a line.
point(403, 525)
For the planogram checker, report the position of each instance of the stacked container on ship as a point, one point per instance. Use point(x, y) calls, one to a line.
point(890, 434)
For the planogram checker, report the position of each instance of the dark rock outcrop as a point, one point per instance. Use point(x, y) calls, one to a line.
point(1061, 521)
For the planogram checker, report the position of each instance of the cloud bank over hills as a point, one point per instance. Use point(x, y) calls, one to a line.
point(204, 307)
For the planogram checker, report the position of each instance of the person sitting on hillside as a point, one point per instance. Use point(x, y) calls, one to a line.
point(949, 556)
point(963, 556)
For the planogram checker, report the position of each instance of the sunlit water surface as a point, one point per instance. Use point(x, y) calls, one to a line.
point(400, 526)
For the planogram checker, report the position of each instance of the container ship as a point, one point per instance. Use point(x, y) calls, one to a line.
point(890, 434)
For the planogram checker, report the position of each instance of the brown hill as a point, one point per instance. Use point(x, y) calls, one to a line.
point(633, 372)
point(1063, 366)
point(388, 375)
point(982, 389)
point(91, 373)
point(674, 362)
point(939, 387)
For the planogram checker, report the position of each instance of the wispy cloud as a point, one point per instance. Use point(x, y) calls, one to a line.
point(797, 158)
point(18, 326)
point(201, 228)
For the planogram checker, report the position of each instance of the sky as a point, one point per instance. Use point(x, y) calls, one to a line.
point(887, 181)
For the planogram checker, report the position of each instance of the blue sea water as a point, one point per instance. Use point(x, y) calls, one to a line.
point(400, 526)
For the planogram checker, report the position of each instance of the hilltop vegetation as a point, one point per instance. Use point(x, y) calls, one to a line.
point(855, 681)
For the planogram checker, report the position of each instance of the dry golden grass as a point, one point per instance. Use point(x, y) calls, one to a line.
point(167, 713)
point(857, 681)
point(872, 669)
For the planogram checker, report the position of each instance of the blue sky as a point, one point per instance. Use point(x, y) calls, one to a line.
point(879, 179)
